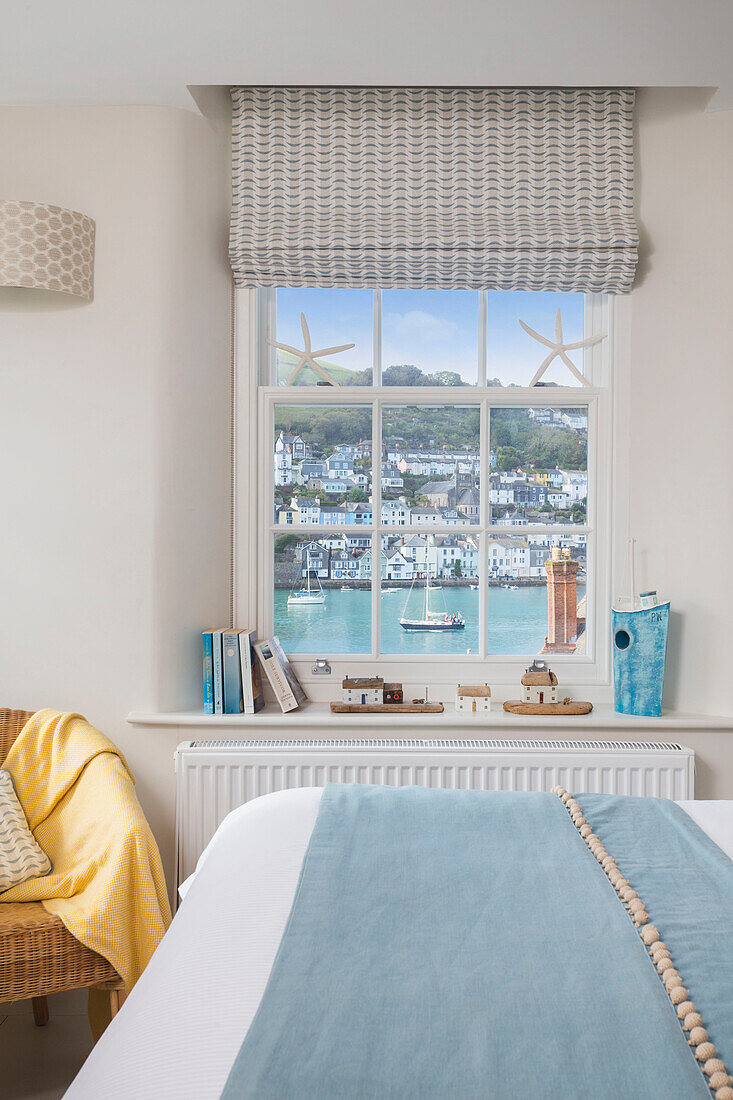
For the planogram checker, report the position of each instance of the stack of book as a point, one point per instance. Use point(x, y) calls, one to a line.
point(232, 681)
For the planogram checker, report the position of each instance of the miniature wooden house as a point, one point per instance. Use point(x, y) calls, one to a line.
point(473, 698)
point(362, 690)
point(393, 693)
point(539, 684)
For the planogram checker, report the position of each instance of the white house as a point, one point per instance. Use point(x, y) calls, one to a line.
point(415, 549)
point(283, 462)
point(395, 567)
point(306, 510)
point(508, 557)
point(473, 699)
point(500, 492)
point(425, 514)
point(575, 484)
point(395, 513)
point(577, 421)
point(362, 691)
point(539, 684)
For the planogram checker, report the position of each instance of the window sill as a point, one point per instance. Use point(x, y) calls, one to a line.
point(317, 717)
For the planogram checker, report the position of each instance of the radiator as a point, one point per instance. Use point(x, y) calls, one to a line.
point(214, 777)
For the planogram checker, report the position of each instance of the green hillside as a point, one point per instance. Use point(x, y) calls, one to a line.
point(286, 364)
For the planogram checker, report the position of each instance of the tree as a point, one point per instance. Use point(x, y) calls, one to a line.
point(507, 458)
point(358, 496)
point(448, 378)
point(457, 568)
point(404, 374)
point(284, 542)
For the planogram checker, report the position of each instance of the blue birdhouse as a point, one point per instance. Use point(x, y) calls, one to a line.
point(639, 652)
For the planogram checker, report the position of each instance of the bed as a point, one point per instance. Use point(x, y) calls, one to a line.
point(183, 1024)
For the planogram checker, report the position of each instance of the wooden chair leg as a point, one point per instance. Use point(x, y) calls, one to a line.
point(116, 1001)
point(40, 1011)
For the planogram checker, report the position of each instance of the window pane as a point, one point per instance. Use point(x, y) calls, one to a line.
point(429, 597)
point(430, 465)
point(538, 465)
point(323, 593)
point(512, 355)
point(334, 317)
point(534, 608)
point(429, 337)
point(322, 464)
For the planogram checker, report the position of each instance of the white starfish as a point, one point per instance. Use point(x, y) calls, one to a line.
point(308, 357)
point(560, 349)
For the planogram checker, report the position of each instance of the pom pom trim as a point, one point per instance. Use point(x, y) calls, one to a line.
point(660, 955)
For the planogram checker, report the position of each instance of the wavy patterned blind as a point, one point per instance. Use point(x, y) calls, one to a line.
point(474, 188)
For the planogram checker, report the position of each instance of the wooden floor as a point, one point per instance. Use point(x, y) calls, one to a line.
point(39, 1063)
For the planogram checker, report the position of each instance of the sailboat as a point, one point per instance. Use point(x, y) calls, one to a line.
point(432, 620)
point(310, 594)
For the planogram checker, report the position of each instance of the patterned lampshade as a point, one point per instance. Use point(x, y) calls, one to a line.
point(46, 247)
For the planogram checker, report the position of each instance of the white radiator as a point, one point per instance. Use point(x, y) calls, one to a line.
point(214, 777)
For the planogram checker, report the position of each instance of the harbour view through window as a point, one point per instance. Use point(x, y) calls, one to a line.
point(462, 512)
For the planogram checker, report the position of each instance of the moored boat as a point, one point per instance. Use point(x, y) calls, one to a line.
point(433, 621)
point(309, 595)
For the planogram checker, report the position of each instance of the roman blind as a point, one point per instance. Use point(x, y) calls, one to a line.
point(473, 188)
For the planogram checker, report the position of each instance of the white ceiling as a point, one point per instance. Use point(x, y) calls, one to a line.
point(150, 51)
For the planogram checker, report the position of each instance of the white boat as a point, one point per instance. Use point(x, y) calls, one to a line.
point(309, 595)
point(432, 620)
point(389, 591)
point(473, 587)
point(346, 588)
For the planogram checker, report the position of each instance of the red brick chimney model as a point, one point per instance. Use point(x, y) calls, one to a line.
point(562, 602)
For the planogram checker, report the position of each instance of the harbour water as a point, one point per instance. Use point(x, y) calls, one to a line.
point(517, 621)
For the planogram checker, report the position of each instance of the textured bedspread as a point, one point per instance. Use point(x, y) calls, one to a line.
point(462, 944)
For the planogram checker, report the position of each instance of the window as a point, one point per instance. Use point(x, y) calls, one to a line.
point(433, 508)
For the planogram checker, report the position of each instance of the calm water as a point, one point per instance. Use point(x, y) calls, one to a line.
point(517, 622)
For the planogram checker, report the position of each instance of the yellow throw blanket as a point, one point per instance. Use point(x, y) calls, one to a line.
point(107, 883)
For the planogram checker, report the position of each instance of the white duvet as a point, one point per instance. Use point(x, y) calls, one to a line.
point(182, 1025)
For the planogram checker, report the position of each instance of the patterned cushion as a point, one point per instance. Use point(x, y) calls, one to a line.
point(21, 857)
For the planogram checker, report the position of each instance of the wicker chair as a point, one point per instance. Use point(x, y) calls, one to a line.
point(38, 955)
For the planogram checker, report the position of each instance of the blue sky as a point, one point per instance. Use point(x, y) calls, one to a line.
point(435, 329)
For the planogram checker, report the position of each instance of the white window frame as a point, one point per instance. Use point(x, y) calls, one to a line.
point(606, 367)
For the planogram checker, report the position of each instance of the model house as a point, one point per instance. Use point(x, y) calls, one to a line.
point(362, 690)
point(473, 699)
point(393, 693)
point(539, 684)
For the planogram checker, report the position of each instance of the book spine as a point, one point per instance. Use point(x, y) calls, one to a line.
point(258, 688)
point(233, 702)
point(276, 676)
point(289, 672)
point(208, 653)
point(218, 672)
point(245, 660)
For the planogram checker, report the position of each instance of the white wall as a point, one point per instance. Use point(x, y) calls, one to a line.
point(114, 429)
point(114, 435)
point(681, 428)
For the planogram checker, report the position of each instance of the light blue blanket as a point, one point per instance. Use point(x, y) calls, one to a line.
point(451, 944)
